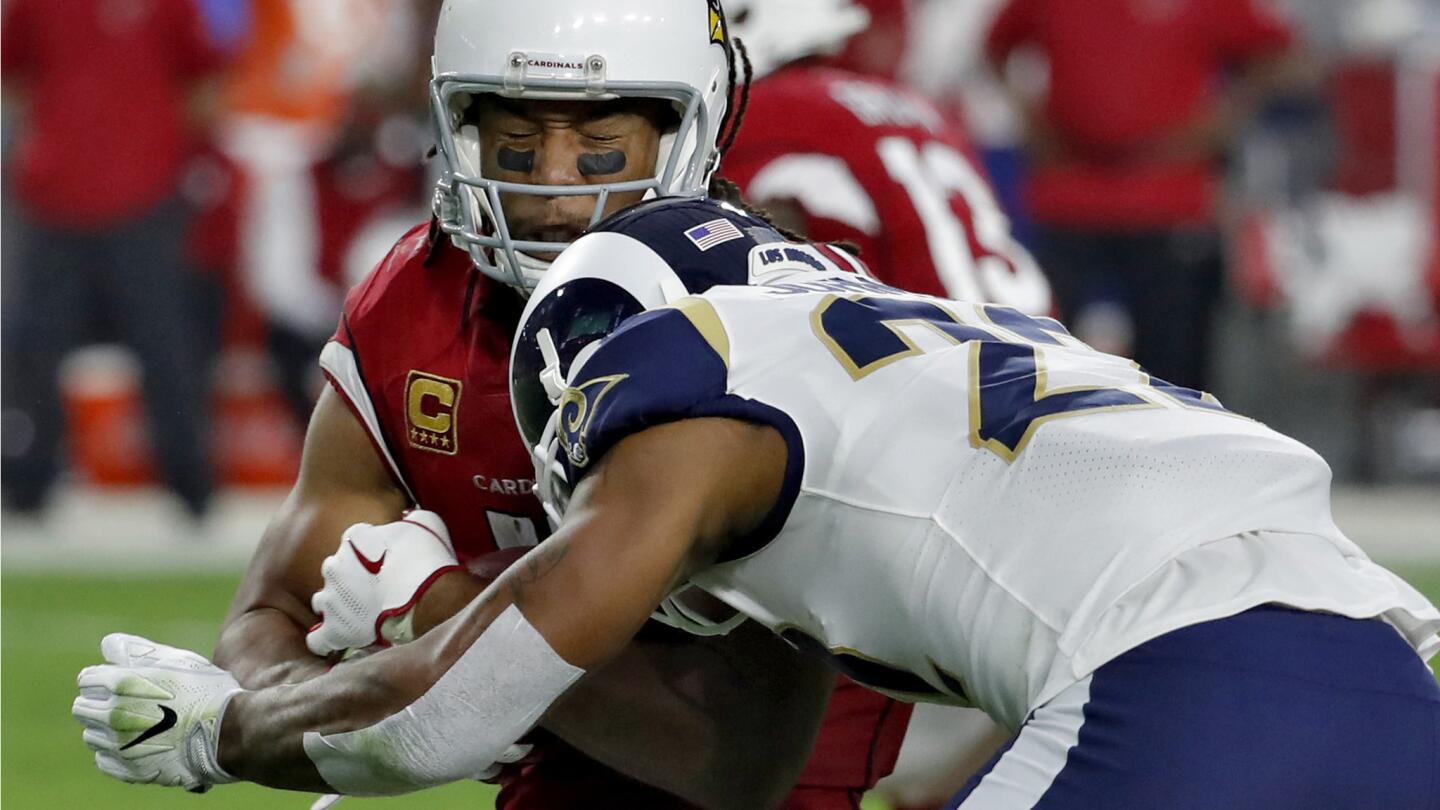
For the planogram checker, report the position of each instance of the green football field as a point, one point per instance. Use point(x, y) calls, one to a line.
point(52, 624)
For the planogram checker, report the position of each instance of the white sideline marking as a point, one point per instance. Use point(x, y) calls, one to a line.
point(136, 530)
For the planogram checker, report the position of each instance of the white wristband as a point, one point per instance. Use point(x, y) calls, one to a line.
point(489, 698)
point(202, 746)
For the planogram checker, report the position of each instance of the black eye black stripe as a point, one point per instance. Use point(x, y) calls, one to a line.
point(513, 160)
point(602, 163)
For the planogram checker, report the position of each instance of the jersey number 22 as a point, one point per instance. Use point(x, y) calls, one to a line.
point(1009, 394)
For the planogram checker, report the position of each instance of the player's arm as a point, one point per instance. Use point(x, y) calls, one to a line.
point(1253, 85)
point(342, 481)
point(722, 722)
point(684, 713)
point(650, 515)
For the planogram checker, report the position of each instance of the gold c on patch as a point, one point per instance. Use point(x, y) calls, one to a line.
point(431, 403)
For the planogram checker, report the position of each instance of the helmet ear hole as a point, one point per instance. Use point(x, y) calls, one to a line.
point(462, 109)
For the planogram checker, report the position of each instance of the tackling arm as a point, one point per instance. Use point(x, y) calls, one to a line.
point(683, 713)
point(724, 722)
point(646, 519)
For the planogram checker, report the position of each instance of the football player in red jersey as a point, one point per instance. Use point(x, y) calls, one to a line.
point(543, 129)
point(846, 156)
point(836, 149)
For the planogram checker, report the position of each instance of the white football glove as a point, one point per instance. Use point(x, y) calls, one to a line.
point(375, 579)
point(152, 715)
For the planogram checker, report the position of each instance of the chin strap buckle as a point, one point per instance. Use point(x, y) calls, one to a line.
point(550, 376)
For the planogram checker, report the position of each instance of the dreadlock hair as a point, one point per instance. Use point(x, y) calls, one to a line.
point(730, 123)
point(724, 190)
point(727, 192)
point(721, 189)
point(739, 93)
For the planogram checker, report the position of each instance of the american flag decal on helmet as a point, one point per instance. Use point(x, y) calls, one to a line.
point(707, 235)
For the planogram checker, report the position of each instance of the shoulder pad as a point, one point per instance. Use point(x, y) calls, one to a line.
point(411, 265)
point(627, 386)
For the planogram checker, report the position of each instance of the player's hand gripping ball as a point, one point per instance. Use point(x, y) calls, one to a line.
point(375, 579)
point(152, 714)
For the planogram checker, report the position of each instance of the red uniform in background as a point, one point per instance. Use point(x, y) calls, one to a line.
point(421, 357)
point(1126, 150)
point(107, 87)
point(878, 165)
point(1123, 75)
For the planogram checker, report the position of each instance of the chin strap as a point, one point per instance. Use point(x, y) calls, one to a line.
point(550, 376)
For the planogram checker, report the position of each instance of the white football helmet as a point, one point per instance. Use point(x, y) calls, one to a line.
point(675, 50)
point(776, 32)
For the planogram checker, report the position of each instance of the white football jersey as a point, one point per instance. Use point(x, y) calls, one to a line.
point(983, 509)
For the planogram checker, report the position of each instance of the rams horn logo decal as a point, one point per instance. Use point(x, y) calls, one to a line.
point(578, 406)
point(717, 23)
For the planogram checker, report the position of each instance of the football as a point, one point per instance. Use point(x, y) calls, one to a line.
point(490, 566)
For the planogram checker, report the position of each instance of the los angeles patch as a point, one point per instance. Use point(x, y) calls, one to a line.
point(431, 402)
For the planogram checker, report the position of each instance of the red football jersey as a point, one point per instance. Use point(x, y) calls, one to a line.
point(880, 166)
point(421, 356)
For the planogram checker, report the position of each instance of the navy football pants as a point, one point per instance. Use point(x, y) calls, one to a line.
point(1272, 709)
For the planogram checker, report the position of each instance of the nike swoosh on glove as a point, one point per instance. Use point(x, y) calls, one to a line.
point(375, 579)
point(152, 713)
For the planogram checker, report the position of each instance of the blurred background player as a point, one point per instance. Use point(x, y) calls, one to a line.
point(311, 89)
point(1124, 145)
point(844, 155)
point(418, 388)
point(115, 98)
